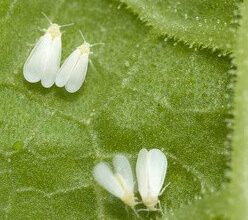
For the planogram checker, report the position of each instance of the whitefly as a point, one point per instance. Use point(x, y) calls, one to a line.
point(44, 60)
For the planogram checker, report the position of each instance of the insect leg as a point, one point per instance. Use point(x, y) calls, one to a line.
point(162, 191)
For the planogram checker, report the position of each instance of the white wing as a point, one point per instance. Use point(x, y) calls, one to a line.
point(78, 74)
point(122, 167)
point(104, 176)
point(67, 67)
point(52, 64)
point(142, 172)
point(35, 64)
point(157, 166)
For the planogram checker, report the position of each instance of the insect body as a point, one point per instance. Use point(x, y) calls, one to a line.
point(151, 169)
point(44, 60)
point(73, 71)
point(121, 183)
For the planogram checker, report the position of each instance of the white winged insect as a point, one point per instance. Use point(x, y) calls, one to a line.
point(151, 169)
point(120, 183)
point(73, 71)
point(44, 60)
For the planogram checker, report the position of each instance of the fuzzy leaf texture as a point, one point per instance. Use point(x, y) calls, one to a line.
point(208, 23)
point(238, 200)
point(141, 92)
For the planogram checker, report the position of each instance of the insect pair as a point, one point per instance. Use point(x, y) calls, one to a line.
point(43, 63)
point(151, 169)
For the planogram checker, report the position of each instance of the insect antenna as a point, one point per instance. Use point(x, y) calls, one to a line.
point(48, 19)
point(66, 25)
point(82, 35)
point(95, 44)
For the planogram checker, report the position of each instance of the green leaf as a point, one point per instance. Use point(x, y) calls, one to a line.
point(238, 200)
point(208, 24)
point(143, 92)
point(212, 206)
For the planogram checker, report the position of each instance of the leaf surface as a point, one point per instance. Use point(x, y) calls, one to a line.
point(208, 24)
point(142, 92)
